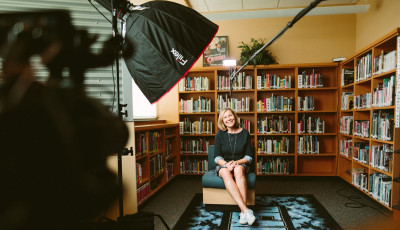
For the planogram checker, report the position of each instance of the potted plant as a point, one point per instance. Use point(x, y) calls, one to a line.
point(265, 57)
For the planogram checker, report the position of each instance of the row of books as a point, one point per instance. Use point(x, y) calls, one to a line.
point(272, 165)
point(307, 145)
point(347, 100)
point(385, 62)
point(141, 143)
point(196, 127)
point(362, 101)
point(168, 148)
point(269, 81)
point(360, 179)
point(201, 105)
point(193, 166)
point(155, 141)
point(143, 192)
point(139, 173)
point(381, 187)
point(346, 147)
point(364, 68)
point(383, 94)
point(245, 124)
point(274, 124)
point(240, 82)
point(194, 84)
point(310, 124)
point(156, 165)
point(169, 170)
point(361, 128)
point(194, 146)
point(305, 103)
point(313, 80)
point(346, 125)
point(275, 103)
point(382, 157)
point(266, 145)
point(239, 105)
point(347, 77)
point(382, 126)
point(361, 152)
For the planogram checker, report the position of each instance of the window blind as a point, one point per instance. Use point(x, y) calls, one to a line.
point(100, 83)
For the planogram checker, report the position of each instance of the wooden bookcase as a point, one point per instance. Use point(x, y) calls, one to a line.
point(253, 113)
point(157, 157)
point(368, 157)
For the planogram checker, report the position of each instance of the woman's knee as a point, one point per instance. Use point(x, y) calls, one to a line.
point(239, 171)
point(225, 173)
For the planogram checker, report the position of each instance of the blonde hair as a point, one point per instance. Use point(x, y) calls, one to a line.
point(221, 124)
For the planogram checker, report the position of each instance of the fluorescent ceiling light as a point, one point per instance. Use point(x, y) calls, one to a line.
point(275, 13)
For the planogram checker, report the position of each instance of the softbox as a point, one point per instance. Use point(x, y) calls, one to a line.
point(167, 38)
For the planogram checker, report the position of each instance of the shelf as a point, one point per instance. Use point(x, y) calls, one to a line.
point(345, 157)
point(317, 89)
point(144, 181)
point(163, 162)
point(194, 154)
point(324, 163)
point(373, 59)
point(202, 113)
point(140, 157)
point(393, 71)
point(273, 112)
point(317, 155)
point(381, 171)
point(360, 163)
point(317, 111)
point(197, 92)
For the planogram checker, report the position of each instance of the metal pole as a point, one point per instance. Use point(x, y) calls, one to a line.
point(288, 25)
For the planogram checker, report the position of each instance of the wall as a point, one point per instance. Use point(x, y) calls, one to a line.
point(382, 17)
point(128, 179)
point(313, 39)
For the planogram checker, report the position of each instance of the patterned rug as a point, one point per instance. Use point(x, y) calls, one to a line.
point(273, 212)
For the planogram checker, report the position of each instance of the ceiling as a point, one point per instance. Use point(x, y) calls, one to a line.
point(207, 6)
point(244, 9)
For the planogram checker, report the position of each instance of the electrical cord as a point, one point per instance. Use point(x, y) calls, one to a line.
point(355, 203)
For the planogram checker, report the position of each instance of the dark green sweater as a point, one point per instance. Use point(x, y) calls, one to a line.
point(226, 143)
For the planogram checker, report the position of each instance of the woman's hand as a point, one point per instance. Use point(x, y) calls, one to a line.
point(231, 165)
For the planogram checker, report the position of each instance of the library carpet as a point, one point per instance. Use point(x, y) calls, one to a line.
point(272, 212)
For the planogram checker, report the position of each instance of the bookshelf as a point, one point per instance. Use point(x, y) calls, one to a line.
point(368, 120)
point(157, 157)
point(273, 102)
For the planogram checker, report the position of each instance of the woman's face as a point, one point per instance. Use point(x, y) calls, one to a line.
point(228, 119)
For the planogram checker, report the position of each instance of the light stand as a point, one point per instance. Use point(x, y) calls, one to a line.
point(288, 25)
point(120, 113)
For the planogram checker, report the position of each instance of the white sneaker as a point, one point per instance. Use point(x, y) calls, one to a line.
point(249, 216)
point(242, 218)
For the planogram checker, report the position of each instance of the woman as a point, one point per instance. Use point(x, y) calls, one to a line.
point(233, 155)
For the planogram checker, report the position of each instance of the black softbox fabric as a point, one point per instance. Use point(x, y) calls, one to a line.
point(168, 38)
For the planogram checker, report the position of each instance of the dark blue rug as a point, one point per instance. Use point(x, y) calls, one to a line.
point(273, 212)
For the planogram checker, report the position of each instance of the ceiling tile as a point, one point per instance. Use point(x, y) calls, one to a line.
point(336, 2)
point(293, 3)
point(224, 5)
point(259, 4)
point(198, 5)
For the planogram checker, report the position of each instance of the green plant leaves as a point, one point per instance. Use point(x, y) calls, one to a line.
point(265, 57)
